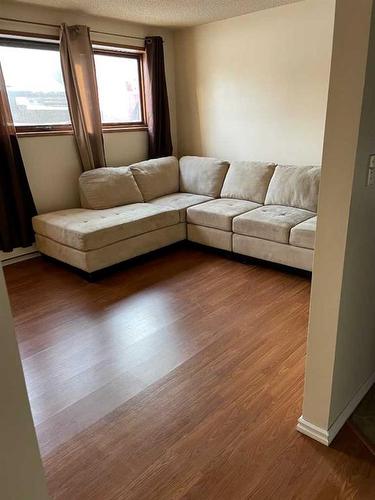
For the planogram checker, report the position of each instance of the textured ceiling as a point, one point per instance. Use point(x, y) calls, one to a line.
point(170, 13)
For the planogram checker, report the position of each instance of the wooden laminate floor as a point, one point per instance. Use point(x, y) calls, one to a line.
point(179, 376)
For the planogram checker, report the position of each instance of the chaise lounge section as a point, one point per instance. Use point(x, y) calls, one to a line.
point(262, 210)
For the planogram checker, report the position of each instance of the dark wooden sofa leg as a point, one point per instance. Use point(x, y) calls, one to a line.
point(90, 277)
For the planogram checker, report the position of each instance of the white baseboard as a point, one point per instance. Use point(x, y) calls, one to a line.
point(313, 431)
point(326, 436)
point(19, 258)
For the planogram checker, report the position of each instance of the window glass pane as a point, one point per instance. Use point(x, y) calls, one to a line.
point(34, 85)
point(118, 86)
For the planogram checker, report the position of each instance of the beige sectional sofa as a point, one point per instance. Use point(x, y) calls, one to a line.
point(257, 209)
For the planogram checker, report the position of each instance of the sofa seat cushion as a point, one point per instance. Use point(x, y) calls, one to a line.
point(108, 187)
point(91, 229)
point(271, 222)
point(303, 234)
point(157, 177)
point(180, 202)
point(219, 213)
point(200, 175)
point(248, 180)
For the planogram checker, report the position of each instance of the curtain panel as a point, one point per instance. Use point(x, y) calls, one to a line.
point(78, 66)
point(157, 107)
point(16, 202)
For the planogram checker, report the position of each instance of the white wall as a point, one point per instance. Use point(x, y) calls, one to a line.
point(21, 473)
point(340, 362)
point(52, 163)
point(255, 86)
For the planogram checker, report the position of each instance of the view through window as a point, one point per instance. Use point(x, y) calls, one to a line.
point(118, 78)
point(36, 91)
point(34, 83)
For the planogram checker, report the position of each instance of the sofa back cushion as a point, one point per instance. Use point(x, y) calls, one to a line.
point(294, 187)
point(157, 177)
point(248, 180)
point(199, 175)
point(108, 187)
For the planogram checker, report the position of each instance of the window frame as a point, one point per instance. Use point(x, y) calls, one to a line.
point(37, 41)
point(105, 48)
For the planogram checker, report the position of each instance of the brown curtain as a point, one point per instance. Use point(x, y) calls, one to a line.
point(16, 202)
point(159, 130)
point(78, 66)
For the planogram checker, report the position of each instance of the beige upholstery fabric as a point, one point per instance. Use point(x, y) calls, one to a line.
point(210, 236)
point(219, 213)
point(91, 229)
point(180, 202)
point(248, 180)
point(108, 187)
point(157, 178)
point(92, 239)
point(302, 258)
point(270, 222)
point(202, 175)
point(303, 235)
point(294, 187)
point(120, 251)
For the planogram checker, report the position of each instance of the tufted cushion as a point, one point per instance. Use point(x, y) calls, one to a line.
point(270, 222)
point(303, 234)
point(294, 187)
point(180, 201)
point(248, 180)
point(108, 187)
point(218, 213)
point(157, 177)
point(90, 229)
point(200, 175)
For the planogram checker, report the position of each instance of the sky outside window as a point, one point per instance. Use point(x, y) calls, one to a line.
point(119, 89)
point(35, 86)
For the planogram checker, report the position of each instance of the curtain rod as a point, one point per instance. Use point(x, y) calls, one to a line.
point(58, 26)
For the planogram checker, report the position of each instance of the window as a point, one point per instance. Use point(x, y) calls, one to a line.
point(36, 91)
point(119, 77)
point(35, 86)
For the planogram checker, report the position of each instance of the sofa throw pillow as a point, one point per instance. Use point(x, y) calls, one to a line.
point(157, 177)
point(294, 187)
point(108, 187)
point(203, 176)
point(248, 180)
